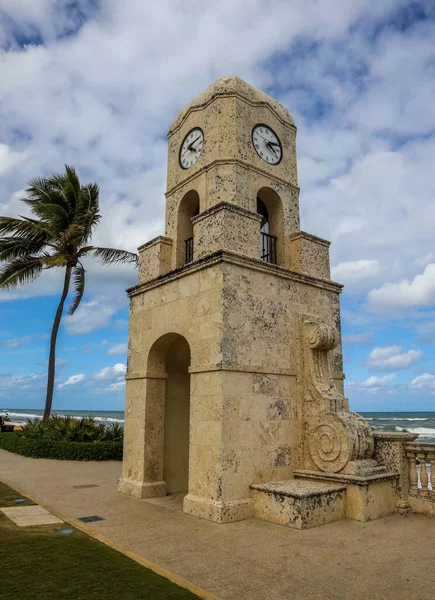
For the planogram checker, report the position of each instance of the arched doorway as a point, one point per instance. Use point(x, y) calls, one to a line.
point(169, 360)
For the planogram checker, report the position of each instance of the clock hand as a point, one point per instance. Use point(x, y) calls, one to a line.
point(189, 147)
point(268, 142)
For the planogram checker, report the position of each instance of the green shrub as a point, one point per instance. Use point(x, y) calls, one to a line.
point(60, 449)
point(67, 428)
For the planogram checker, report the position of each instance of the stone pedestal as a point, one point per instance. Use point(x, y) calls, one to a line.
point(299, 504)
point(367, 498)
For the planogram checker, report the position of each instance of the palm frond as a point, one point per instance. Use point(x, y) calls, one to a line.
point(67, 185)
point(110, 256)
point(22, 227)
point(51, 213)
point(79, 288)
point(41, 191)
point(13, 247)
point(20, 270)
point(88, 207)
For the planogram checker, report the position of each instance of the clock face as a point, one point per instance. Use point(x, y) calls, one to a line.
point(267, 144)
point(191, 148)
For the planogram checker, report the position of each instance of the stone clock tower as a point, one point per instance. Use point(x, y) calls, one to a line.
point(234, 364)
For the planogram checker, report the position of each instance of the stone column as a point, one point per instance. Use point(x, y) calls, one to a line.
point(142, 467)
point(390, 452)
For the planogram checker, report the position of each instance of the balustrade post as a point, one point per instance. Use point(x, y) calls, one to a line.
point(413, 475)
point(431, 459)
point(424, 479)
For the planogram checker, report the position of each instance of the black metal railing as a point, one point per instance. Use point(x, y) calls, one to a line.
point(268, 248)
point(188, 250)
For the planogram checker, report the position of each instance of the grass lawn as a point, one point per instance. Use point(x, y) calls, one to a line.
point(37, 563)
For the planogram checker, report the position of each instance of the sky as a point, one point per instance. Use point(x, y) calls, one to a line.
point(96, 84)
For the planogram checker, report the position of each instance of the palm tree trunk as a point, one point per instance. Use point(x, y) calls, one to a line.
point(52, 357)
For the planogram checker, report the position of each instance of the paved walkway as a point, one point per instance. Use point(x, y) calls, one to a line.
point(250, 560)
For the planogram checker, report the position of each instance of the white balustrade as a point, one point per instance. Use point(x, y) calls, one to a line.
point(421, 459)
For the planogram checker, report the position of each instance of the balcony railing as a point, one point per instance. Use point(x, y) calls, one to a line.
point(421, 459)
point(188, 250)
point(268, 248)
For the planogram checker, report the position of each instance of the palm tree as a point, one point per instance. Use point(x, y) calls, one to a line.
point(65, 214)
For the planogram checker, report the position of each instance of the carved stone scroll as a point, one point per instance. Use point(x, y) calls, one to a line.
point(321, 394)
point(336, 439)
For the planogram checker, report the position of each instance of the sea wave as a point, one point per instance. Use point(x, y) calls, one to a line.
point(420, 430)
point(410, 419)
point(19, 416)
point(397, 418)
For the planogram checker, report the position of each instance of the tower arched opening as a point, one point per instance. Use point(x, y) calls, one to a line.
point(188, 208)
point(269, 206)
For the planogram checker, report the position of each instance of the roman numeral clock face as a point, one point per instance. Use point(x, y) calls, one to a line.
point(191, 148)
point(266, 144)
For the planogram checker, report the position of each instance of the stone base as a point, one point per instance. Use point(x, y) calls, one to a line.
point(219, 512)
point(298, 503)
point(422, 502)
point(141, 490)
point(364, 468)
point(367, 498)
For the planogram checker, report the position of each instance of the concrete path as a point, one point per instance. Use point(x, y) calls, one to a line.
point(250, 560)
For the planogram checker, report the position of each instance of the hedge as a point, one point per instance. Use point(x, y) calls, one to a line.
point(60, 450)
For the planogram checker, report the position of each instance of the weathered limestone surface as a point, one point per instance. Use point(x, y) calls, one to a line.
point(390, 451)
point(245, 410)
point(367, 498)
point(235, 373)
point(310, 254)
point(299, 503)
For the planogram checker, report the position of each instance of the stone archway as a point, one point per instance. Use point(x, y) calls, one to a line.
point(169, 361)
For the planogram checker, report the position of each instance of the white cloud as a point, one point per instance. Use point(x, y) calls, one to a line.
point(15, 342)
point(424, 381)
point(9, 159)
point(73, 380)
point(21, 382)
point(116, 386)
point(355, 271)
point(406, 294)
point(89, 316)
point(118, 349)
point(110, 379)
point(378, 381)
point(108, 373)
point(365, 337)
point(96, 82)
point(387, 358)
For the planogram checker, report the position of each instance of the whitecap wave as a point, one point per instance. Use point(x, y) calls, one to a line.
point(20, 415)
point(411, 419)
point(420, 430)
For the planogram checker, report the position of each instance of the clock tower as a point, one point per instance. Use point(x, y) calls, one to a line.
point(234, 363)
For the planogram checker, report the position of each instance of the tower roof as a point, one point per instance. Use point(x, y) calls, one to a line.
point(232, 86)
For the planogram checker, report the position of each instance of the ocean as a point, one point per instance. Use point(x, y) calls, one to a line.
point(422, 423)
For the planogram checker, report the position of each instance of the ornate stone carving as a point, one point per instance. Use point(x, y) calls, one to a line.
point(321, 393)
point(336, 439)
